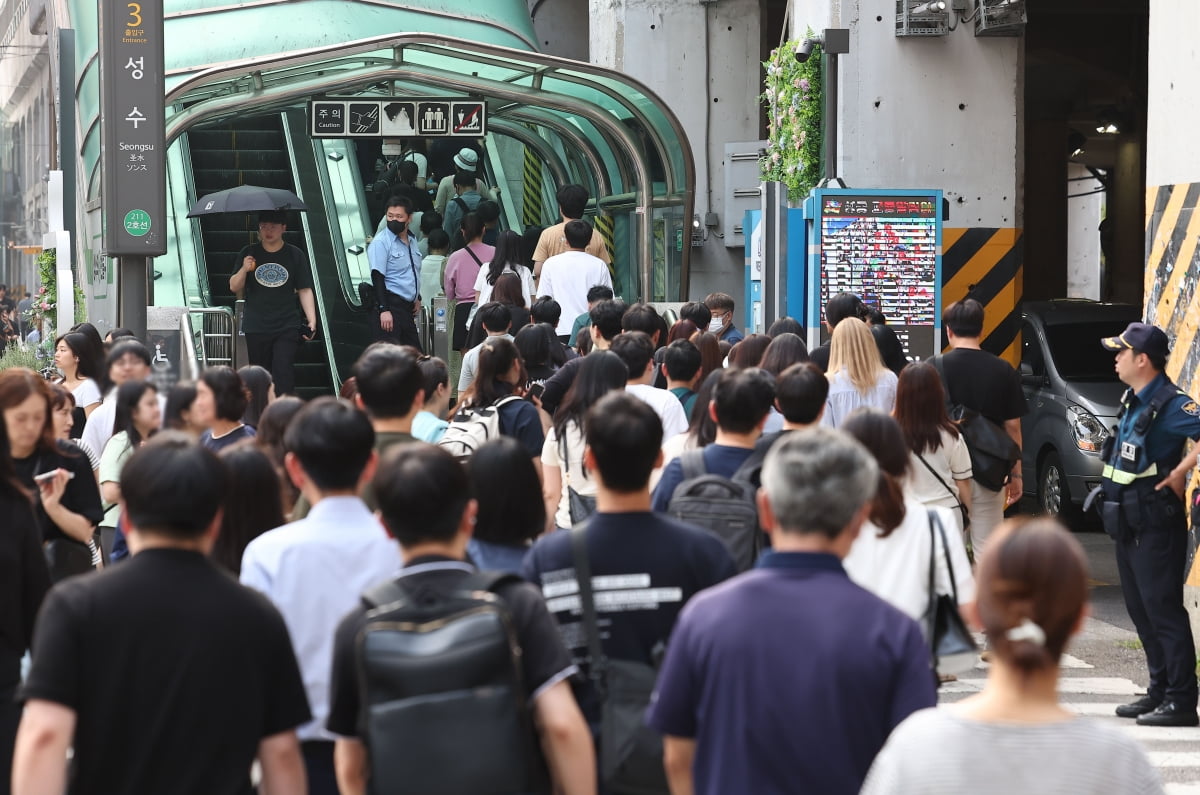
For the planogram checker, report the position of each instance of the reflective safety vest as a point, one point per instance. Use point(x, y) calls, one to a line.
point(1124, 455)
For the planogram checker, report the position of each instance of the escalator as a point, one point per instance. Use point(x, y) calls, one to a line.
point(251, 151)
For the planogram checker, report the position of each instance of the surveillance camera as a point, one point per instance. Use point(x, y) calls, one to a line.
point(805, 50)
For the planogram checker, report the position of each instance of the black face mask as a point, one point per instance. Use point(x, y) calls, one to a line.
point(396, 227)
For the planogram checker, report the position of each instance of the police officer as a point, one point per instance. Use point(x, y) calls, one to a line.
point(1143, 511)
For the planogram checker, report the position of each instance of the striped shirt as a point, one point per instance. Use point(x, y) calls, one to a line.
point(939, 752)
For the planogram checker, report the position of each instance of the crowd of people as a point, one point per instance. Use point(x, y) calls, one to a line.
point(468, 597)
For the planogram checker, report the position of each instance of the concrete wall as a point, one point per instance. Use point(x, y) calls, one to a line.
point(562, 27)
point(926, 112)
point(713, 89)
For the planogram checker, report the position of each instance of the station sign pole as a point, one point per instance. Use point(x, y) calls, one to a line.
point(133, 148)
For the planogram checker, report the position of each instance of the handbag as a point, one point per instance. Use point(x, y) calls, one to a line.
point(66, 557)
point(579, 506)
point(952, 645)
point(966, 515)
point(630, 752)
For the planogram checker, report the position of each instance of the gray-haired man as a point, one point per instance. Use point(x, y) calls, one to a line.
point(852, 665)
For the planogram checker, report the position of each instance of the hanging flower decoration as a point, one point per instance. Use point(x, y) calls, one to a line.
point(45, 300)
point(792, 91)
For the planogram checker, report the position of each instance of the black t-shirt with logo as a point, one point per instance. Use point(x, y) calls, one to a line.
point(271, 302)
point(174, 670)
point(645, 567)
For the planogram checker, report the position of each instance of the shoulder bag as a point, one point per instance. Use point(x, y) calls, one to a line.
point(630, 752)
point(951, 644)
point(580, 506)
point(966, 515)
point(993, 451)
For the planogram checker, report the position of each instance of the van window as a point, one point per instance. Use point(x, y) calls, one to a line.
point(1031, 349)
point(1077, 352)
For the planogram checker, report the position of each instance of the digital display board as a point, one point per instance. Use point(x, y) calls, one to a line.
point(886, 248)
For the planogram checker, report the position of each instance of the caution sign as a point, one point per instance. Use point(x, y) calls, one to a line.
point(468, 118)
point(328, 118)
point(397, 117)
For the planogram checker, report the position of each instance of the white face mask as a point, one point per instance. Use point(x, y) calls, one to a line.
point(715, 325)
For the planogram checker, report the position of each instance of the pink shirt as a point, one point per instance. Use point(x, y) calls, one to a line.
point(462, 270)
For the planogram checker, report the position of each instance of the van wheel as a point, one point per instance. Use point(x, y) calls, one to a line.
point(1054, 498)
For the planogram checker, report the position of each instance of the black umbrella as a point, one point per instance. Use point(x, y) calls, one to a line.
point(247, 199)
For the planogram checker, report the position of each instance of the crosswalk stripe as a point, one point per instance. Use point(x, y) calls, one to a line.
point(1182, 789)
point(1174, 758)
point(1088, 685)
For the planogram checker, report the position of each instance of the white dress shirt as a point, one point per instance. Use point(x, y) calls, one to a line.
point(314, 571)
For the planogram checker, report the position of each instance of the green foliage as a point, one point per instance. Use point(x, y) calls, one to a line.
point(17, 356)
point(793, 93)
point(45, 300)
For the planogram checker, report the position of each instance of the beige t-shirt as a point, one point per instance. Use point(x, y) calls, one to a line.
point(553, 242)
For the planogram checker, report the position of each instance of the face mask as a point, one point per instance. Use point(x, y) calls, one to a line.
point(715, 325)
point(396, 227)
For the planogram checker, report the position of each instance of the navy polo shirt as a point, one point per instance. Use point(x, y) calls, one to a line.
point(1177, 420)
point(790, 678)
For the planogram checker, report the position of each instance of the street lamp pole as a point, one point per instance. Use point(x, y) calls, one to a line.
point(835, 42)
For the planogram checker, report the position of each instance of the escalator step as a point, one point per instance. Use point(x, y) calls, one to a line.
point(225, 138)
point(245, 159)
point(211, 180)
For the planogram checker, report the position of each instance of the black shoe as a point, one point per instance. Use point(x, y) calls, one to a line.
point(1169, 713)
point(1143, 705)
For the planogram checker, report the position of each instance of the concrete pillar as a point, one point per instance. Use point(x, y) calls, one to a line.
point(701, 59)
point(1172, 187)
point(1083, 234)
point(941, 112)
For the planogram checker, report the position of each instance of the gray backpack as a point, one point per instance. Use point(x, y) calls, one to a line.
point(723, 506)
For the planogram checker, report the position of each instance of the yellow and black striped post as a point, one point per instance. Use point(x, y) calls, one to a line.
point(1172, 233)
point(604, 225)
point(985, 263)
point(531, 189)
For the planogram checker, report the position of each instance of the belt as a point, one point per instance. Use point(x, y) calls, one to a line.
point(399, 298)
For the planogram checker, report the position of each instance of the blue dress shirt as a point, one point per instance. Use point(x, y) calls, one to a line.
point(314, 571)
point(398, 261)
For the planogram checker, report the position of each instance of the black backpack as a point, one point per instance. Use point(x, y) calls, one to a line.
point(442, 682)
point(723, 506)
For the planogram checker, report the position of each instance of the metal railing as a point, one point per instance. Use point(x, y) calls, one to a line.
point(213, 343)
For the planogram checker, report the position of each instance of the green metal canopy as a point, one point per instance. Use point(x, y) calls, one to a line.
point(588, 123)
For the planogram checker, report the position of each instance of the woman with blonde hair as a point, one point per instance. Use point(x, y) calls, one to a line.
point(1015, 736)
point(857, 376)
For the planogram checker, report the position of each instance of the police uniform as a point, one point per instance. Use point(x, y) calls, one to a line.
point(1150, 530)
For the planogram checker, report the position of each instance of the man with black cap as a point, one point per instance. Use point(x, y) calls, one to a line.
point(1144, 513)
point(273, 323)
